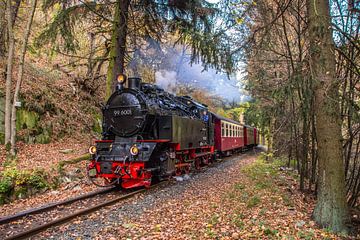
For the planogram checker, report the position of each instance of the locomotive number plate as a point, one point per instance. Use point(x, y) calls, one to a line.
point(122, 112)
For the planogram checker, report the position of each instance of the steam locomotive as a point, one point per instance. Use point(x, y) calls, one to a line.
point(150, 134)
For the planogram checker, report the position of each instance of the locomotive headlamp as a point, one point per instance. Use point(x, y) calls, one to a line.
point(121, 78)
point(92, 150)
point(134, 150)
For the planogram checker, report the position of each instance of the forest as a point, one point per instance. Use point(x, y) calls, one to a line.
point(290, 68)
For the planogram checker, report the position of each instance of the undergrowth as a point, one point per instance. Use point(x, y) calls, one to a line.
point(17, 183)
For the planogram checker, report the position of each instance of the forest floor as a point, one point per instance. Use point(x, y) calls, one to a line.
point(71, 178)
point(32, 156)
point(242, 197)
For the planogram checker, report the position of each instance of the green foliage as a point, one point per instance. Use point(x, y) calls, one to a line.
point(221, 112)
point(63, 25)
point(236, 112)
point(270, 232)
point(261, 185)
point(254, 201)
point(5, 185)
point(261, 170)
point(214, 219)
point(307, 235)
point(239, 186)
point(258, 115)
point(18, 183)
point(238, 221)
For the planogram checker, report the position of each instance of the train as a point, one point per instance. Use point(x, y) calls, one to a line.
point(149, 134)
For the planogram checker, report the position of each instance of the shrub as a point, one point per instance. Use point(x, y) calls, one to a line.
point(15, 183)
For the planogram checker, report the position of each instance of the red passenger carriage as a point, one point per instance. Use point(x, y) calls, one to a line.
point(229, 135)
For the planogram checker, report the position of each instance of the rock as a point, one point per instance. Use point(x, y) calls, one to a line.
point(55, 192)
point(300, 224)
point(77, 188)
point(179, 179)
point(66, 180)
point(186, 177)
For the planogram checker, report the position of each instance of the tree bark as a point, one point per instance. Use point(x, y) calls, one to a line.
point(2, 30)
point(331, 208)
point(118, 45)
point(20, 76)
point(9, 72)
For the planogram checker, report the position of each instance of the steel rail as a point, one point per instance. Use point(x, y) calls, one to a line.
point(41, 228)
point(7, 219)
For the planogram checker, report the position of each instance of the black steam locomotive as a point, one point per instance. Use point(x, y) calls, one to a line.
point(149, 133)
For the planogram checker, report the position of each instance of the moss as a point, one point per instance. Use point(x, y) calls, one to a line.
point(2, 138)
point(97, 125)
point(26, 119)
point(60, 166)
point(44, 137)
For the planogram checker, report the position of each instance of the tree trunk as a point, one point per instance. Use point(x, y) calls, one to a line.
point(20, 76)
point(331, 208)
point(2, 30)
point(9, 72)
point(118, 45)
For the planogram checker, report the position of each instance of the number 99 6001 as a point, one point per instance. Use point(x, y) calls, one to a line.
point(122, 112)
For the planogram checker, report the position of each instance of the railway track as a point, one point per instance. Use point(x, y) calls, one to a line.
point(17, 222)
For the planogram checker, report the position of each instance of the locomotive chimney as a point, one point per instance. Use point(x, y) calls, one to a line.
point(134, 83)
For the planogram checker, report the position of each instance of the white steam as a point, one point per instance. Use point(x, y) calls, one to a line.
point(166, 80)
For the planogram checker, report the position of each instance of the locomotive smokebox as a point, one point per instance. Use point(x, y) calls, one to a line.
point(134, 83)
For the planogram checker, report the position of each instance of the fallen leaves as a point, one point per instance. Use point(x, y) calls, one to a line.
point(227, 205)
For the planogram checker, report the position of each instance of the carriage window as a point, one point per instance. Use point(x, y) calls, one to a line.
point(222, 131)
point(227, 130)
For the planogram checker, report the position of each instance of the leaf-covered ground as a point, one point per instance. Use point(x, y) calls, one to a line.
point(247, 202)
point(243, 197)
point(31, 156)
point(63, 182)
